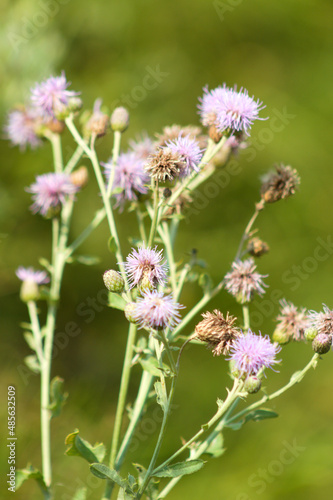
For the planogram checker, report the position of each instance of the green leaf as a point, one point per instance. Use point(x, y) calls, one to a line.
point(112, 245)
point(296, 376)
point(81, 494)
point(180, 469)
point(30, 473)
point(215, 448)
point(151, 365)
point(30, 340)
point(87, 260)
point(32, 363)
point(104, 472)
point(45, 263)
point(206, 282)
point(26, 326)
point(235, 426)
point(161, 396)
point(82, 448)
point(58, 397)
point(261, 414)
point(116, 301)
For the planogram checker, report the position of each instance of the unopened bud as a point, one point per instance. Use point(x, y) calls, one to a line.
point(310, 334)
point(322, 343)
point(130, 312)
point(29, 291)
point(113, 281)
point(281, 337)
point(145, 285)
point(56, 126)
point(119, 119)
point(75, 104)
point(252, 385)
point(80, 177)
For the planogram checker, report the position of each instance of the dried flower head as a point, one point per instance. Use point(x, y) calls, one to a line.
point(280, 184)
point(218, 331)
point(129, 175)
point(165, 164)
point(189, 151)
point(243, 282)
point(22, 126)
point(292, 321)
point(51, 96)
point(146, 264)
point(80, 177)
point(322, 321)
point(50, 191)
point(157, 311)
point(98, 122)
point(252, 352)
point(29, 274)
point(257, 247)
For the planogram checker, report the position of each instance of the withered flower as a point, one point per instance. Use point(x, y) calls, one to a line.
point(279, 185)
point(164, 165)
point(218, 331)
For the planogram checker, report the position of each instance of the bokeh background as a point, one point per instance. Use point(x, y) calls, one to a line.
point(281, 51)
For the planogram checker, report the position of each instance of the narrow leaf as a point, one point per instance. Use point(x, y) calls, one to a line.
point(215, 448)
point(112, 245)
point(30, 473)
point(82, 448)
point(87, 260)
point(30, 340)
point(180, 469)
point(32, 363)
point(104, 472)
point(58, 397)
point(296, 376)
point(161, 397)
point(261, 414)
point(116, 301)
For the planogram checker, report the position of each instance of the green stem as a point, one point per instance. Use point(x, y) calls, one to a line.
point(258, 208)
point(73, 160)
point(115, 156)
point(99, 217)
point(154, 223)
point(141, 225)
point(165, 235)
point(32, 308)
point(246, 316)
point(57, 152)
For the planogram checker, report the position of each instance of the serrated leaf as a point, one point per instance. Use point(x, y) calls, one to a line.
point(215, 448)
point(161, 396)
point(87, 260)
point(81, 494)
point(261, 414)
point(30, 473)
point(104, 472)
point(116, 301)
point(58, 397)
point(82, 448)
point(112, 245)
point(32, 362)
point(180, 469)
point(30, 340)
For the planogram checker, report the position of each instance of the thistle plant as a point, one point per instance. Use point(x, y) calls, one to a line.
point(154, 179)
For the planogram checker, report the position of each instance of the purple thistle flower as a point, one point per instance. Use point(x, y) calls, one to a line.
point(130, 176)
point(50, 191)
point(292, 321)
point(143, 147)
point(243, 282)
point(51, 96)
point(29, 274)
point(21, 128)
point(189, 151)
point(322, 321)
point(209, 105)
point(157, 311)
point(252, 352)
point(146, 264)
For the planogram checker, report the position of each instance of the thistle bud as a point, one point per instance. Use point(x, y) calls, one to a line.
point(119, 119)
point(257, 247)
point(281, 337)
point(29, 291)
point(252, 385)
point(129, 312)
point(146, 284)
point(80, 177)
point(310, 334)
point(322, 343)
point(113, 281)
point(98, 121)
point(56, 126)
point(75, 104)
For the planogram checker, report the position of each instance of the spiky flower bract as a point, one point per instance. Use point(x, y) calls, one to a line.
point(146, 264)
point(243, 281)
point(29, 274)
point(250, 353)
point(280, 184)
point(129, 175)
point(292, 321)
point(218, 331)
point(157, 311)
point(322, 321)
point(189, 151)
point(51, 96)
point(21, 128)
point(50, 191)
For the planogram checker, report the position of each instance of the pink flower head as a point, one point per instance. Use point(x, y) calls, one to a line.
point(50, 191)
point(51, 96)
point(157, 311)
point(292, 320)
point(252, 352)
point(209, 105)
point(143, 147)
point(190, 152)
point(129, 175)
point(243, 282)
point(146, 263)
point(21, 128)
point(322, 321)
point(29, 274)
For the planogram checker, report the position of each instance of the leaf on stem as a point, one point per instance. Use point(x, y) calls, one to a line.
point(104, 472)
point(116, 301)
point(86, 260)
point(161, 396)
point(112, 245)
point(82, 448)
point(81, 494)
point(151, 365)
point(58, 397)
point(30, 340)
point(30, 473)
point(32, 362)
point(45, 263)
point(180, 468)
point(260, 414)
point(215, 448)
point(296, 377)
point(151, 491)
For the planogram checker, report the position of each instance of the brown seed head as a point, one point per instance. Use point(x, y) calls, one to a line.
point(279, 185)
point(257, 247)
point(218, 331)
point(164, 165)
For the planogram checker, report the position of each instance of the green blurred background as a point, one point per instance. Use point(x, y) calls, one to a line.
point(281, 51)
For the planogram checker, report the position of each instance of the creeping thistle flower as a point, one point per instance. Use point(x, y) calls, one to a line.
point(280, 184)
point(52, 97)
point(129, 176)
point(322, 321)
point(250, 353)
point(189, 151)
point(31, 279)
point(145, 268)
point(157, 311)
point(50, 191)
point(243, 282)
point(22, 128)
point(292, 322)
point(218, 331)
point(165, 164)
point(143, 147)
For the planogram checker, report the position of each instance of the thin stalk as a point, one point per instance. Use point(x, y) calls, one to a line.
point(246, 316)
point(115, 156)
point(32, 308)
point(258, 208)
point(73, 160)
point(154, 223)
point(165, 235)
point(57, 152)
point(141, 225)
point(99, 217)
